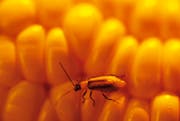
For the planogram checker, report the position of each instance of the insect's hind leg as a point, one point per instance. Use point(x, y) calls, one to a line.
point(107, 98)
point(90, 95)
point(83, 96)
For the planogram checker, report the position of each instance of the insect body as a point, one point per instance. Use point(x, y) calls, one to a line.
point(104, 84)
point(108, 83)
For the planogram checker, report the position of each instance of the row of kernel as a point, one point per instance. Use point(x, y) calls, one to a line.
point(148, 67)
point(26, 102)
point(164, 107)
point(142, 18)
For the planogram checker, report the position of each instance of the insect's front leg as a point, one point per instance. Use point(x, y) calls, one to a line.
point(83, 96)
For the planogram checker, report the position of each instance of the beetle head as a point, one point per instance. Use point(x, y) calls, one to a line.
point(77, 87)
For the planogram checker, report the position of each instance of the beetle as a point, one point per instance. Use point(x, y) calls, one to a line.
point(104, 84)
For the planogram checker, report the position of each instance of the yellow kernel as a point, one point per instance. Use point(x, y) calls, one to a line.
point(90, 112)
point(114, 111)
point(103, 47)
point(165, 107)
point(170, 18)
point(9, 74)
point(23, 102)
point(30, 49)
point(121, 9)
point(137, 110)
point(67, 105)
point(80, 25)
point(57, 51)
point(16, 15)
point(47, 112)
point(123, 57)
point(50, 14)
point(171, 68)
point(3, 94)
point(145, 21)
point(145, 77)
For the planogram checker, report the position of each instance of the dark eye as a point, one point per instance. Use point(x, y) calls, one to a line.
point(77, 87)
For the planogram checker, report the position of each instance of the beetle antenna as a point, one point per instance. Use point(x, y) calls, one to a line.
point(56, 102)
point(66, 93)
point(66, 73)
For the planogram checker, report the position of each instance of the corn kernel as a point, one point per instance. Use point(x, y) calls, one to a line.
point(80, 26)
point(171, 68)
point(24, 102)
point(165, 107)
point(121, 62)
point(66, 104)
point(48, 112)
point(109, 34)
point(90, 112)
point(16, 15)
point(57, 51)
point(146, 70)
point(114, 111)
point(50, 14)
point(3, 94)
point(9, 74)
point(137, 110)
point(30, 49)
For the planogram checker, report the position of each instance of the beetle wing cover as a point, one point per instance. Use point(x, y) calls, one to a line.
point(106, 81)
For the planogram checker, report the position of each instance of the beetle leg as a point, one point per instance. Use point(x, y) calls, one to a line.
point(107, 98)
point(90, 95)
point(83, 96)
